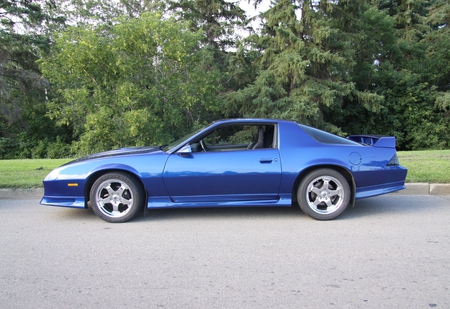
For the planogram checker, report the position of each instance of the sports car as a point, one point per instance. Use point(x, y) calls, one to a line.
point(232, 163)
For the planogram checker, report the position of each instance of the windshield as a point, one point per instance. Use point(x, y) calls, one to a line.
point(181, 140)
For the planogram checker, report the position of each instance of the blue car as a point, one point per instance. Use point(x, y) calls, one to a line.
point(232, 163)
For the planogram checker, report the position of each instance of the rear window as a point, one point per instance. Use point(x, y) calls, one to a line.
point(325, 137)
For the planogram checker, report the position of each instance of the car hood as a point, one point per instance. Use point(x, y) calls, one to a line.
point(118, 152)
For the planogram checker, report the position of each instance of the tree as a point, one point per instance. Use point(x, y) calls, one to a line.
point(220, 21)
point(138, 82)
point(22, 90)
point(217, 19)
point(303, 66)
point(438, 64)
point(95, 12)
point(394, 61)
point(372, 45)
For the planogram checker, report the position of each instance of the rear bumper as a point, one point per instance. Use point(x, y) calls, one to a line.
point(379, 189)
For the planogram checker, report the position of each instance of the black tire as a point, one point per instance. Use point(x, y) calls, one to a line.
point(116, 197)
point(323, 194)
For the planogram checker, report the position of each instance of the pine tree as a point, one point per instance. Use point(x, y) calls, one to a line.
point(22, 90)
point(303, 67)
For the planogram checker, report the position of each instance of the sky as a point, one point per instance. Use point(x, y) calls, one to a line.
point(250, 9)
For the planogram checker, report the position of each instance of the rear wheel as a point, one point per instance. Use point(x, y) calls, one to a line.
point(323, 194)
point(116, 197)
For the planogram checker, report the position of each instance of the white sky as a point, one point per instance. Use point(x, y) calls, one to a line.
point(250, 9)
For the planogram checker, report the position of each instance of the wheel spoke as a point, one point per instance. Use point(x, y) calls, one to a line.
point(103, 201)
point(103, 198)
point(315, 190)
point(115, 208)
point(120, 190)
point(121, 198)
point(317, 201)
point(328, 202)
point(326, 184)
point(109, 190)
point(338, 192)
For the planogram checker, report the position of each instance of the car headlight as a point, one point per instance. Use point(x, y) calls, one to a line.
point(53, 175)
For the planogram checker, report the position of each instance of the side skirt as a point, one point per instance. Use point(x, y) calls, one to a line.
point(166, 202)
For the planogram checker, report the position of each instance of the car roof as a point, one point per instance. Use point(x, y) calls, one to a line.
point(250, 120)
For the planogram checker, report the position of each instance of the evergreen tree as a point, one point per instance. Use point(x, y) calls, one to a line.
point(394, 61)
point(218, 19)
point(303, 68)
point(220, 22)
point(438, 56)
point(22, 90)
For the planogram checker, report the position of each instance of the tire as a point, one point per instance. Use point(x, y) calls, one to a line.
point(323, 194)
point(116, 197)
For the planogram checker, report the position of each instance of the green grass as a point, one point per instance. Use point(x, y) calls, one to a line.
point(431, 166)
point(26, 173)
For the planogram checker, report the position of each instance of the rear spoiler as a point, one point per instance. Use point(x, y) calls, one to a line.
point(374, 140)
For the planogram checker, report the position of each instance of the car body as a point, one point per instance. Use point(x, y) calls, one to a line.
point(232, 163)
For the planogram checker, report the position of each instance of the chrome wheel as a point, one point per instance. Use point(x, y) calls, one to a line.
point(116, 197)
point(323, 194)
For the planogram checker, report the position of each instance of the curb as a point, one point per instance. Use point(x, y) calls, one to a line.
point(417, 188)
point(411, 189)
point(21, 194)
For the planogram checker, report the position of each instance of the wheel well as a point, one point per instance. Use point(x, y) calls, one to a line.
point(92, 178)
point(344, 172)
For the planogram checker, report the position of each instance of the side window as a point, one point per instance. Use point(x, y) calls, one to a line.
point(230, 135)
point(240, 137)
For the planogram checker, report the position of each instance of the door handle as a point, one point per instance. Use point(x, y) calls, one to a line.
point(265, 161)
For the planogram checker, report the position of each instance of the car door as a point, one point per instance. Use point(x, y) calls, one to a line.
point(224, 173)
point(242, 175)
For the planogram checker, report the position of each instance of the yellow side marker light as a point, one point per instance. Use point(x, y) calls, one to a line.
point(72, 185)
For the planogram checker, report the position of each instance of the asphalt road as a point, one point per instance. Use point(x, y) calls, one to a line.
point(389, 251)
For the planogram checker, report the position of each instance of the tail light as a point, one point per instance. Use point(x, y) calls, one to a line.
point(393, 161)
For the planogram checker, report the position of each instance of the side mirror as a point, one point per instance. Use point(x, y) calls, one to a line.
point(185, 151)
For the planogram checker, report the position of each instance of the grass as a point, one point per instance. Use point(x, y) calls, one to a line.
point(430, 166)
point(26, 173)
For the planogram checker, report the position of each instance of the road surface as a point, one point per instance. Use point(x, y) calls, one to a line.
point(389, 251)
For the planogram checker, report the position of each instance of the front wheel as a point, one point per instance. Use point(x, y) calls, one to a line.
point(116, 197)
point(323, 194)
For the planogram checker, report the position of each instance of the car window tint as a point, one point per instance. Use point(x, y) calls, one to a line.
point(231, 135)
point(326, 137)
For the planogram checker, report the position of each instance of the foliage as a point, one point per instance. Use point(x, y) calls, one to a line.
point(302, 68)
point(400, 67)
point(22, 90)
point(217, 19)
point(140, 81)
point(116, 75)
point(220, 22)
